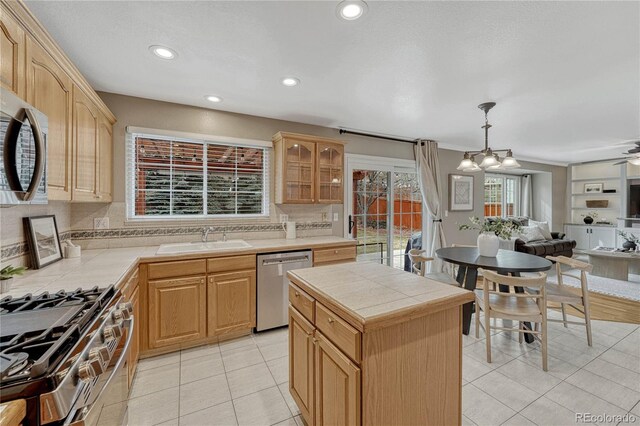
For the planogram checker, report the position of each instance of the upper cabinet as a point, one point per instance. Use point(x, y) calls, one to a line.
point(105, 159)
point(80, 126)
point(49, 89)
point(308, 169)
point(12, 53)
point(85, 148)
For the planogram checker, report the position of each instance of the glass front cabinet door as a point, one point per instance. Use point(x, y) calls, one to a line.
point(308, 169)
point(330, 173)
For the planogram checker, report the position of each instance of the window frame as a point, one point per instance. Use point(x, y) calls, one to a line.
point(131, 133)
point(503, 198)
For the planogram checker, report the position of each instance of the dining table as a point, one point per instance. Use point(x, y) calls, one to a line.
point(506, 262)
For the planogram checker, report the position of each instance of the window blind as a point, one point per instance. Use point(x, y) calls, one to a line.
point(171, 177)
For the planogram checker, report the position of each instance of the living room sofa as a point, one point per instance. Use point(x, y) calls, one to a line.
point(555, 247)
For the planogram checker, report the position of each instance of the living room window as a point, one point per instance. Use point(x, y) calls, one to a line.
point(171, 177)
point(501, 195)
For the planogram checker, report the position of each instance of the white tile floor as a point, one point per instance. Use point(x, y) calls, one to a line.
point(244, 381)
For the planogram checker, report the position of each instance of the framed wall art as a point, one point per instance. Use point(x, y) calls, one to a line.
point(460, 193)
point(44, 242)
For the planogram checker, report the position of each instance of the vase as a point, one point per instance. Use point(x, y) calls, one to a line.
point(588, 220)
point(488, 244)
point(629, 245)
point(5, 285)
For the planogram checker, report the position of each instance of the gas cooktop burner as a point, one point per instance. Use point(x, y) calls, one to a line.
point(38, 331)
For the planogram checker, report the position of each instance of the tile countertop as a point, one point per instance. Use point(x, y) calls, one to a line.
point(104, 267)
point(369, 295)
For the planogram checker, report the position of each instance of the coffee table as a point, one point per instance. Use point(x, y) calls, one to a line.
point(612, 264)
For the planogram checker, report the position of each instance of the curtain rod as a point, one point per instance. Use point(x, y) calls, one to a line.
point(372, 135)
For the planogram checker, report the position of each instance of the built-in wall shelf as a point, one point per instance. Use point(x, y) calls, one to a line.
point(607, 173)
point(595, 179)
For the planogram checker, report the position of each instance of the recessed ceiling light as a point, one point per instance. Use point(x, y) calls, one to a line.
point(163, 52)
point(213, 98)
point(290, 81)
point(351, 9)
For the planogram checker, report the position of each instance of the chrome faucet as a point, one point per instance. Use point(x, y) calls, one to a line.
point(205, 233)
point(224, 234)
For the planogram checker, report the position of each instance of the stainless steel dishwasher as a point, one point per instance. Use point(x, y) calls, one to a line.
point(272, 298)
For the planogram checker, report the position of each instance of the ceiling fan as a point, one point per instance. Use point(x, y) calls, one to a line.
point(633, 155)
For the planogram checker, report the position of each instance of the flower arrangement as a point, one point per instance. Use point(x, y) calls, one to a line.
point(503, 228)
point(590, 214)
point(9, 272)
point(629, 237)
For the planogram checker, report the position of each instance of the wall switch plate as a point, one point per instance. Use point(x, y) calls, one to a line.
point(325, 216)
point(101, 223)
point(335, 217)
point(284, 218)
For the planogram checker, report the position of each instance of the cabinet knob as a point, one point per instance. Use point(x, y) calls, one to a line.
point(335, 252)
point(297, 294)
point(330, 320)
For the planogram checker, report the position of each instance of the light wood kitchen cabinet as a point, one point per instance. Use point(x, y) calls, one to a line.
point(105, 159)
point(85, 148)
point(374, 365)
point(302, 359)
point(329, 172)
point(231, 302)
point(79, 133)
point(134, 351)
point(337, 386)
point(49, 89)
point(177, 310)
point(12, 54)
point(308, 169)
point(333, 255)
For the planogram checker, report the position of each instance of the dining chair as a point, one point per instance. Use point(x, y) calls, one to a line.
point(419, 261)
point(520, 307)
point(566, 295)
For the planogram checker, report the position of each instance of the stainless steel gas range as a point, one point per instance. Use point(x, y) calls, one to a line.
point(65, 353)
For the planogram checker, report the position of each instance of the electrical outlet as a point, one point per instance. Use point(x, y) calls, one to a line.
point(284, 218)
point(325, 216)
point(101, 223)
point(335, 217)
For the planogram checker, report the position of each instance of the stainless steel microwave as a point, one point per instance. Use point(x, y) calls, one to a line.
point(23, 143)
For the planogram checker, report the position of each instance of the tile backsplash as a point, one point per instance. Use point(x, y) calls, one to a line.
point(75, 222)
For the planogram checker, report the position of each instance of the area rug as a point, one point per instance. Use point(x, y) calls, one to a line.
point(624, 289)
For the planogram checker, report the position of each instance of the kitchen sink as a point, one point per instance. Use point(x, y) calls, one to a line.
point(198, 246)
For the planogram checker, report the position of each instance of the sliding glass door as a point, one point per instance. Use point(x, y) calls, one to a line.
point(384, 209)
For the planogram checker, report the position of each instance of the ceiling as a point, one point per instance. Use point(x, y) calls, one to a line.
point(565, 75)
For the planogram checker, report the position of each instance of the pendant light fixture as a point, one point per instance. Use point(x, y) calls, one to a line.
point(491, 160)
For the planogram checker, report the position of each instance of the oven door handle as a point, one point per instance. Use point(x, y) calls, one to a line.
point(123, 358)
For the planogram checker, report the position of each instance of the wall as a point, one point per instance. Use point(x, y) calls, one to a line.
point(132, 111)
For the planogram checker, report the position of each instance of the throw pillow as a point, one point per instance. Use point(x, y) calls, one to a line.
point(531, 233)
point(544, 227)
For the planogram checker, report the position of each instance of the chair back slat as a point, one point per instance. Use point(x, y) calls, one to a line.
point(537, 281)
point(573, 263)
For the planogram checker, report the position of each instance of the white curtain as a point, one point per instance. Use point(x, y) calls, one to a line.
point(526, 201)
point(428, 166)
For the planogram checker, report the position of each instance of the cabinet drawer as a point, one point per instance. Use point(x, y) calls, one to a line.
point(334, 255)
point(231, 263)
point(345, 337)
point(177, 269)
point(301, 301)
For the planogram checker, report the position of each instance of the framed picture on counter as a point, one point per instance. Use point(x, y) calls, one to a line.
point(44, 241)
point(460, 193)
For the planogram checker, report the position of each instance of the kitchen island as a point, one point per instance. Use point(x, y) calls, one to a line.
point(374, 345)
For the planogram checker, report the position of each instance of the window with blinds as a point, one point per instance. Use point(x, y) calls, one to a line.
point(501, 195)
point(171, 178)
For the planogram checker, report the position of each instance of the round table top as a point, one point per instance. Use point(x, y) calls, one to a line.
point(505, 261)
